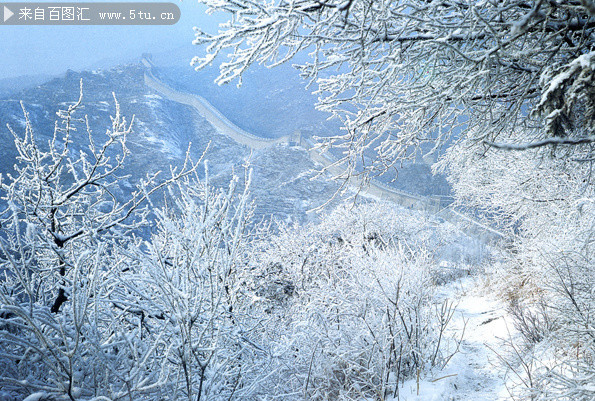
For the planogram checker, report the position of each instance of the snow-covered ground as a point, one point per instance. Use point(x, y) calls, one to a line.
point(475, 372)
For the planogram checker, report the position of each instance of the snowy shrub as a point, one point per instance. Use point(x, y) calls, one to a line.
point(553, 308)
point(532, 321)
point(554, 356)
point(43, 351)
point(90, 311)
point(185, 283)
point(572, 343)
point(361, 312)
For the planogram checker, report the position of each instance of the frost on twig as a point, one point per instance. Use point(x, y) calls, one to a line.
point(68, 191)
point(60, 228)
point(409, 77)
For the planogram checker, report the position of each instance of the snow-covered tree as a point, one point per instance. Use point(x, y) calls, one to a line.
point(186, 285)
point(507, 87)
point(95, 306)
point(63, 194)
point(61, 226)
point(509, 73)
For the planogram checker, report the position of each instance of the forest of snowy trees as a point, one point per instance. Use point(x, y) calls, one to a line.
point(173, 291)
point(504, 92)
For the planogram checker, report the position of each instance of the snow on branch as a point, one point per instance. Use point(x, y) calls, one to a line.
point(68, 191)
point(544, 142)
point(401, 74)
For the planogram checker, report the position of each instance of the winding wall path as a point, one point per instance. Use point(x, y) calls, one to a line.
point(210, 113)
point(373, 188)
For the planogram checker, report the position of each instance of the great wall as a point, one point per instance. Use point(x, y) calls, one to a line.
point(373, 188)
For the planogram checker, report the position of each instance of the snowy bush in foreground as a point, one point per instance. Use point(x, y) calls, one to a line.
point(59, 231)
point(560, 363)
point(355, 302)
point(88, 310)
point(184, 286)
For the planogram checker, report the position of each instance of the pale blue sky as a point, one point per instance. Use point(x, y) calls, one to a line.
point(26, 50)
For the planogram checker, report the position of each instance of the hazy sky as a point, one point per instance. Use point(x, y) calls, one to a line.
point(26, 50)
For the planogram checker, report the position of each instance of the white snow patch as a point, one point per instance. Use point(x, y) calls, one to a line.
point(474, 373)
point(36, 396)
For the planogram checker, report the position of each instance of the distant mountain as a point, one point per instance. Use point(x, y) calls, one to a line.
point(282, 183)
point(17, 84)
point(272, 103)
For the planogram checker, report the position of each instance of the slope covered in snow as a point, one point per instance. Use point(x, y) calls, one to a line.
point(162, 132)
point(480, 330)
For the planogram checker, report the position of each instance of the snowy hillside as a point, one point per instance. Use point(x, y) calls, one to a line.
point(163, 238)
point(162, 131)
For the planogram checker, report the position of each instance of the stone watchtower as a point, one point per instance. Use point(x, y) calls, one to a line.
point(147, 60)
point(295, 139)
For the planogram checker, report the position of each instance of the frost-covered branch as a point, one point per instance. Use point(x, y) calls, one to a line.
point(401, 74)
point(67, 191)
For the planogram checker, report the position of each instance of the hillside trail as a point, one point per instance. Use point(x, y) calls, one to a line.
point(475, 372)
